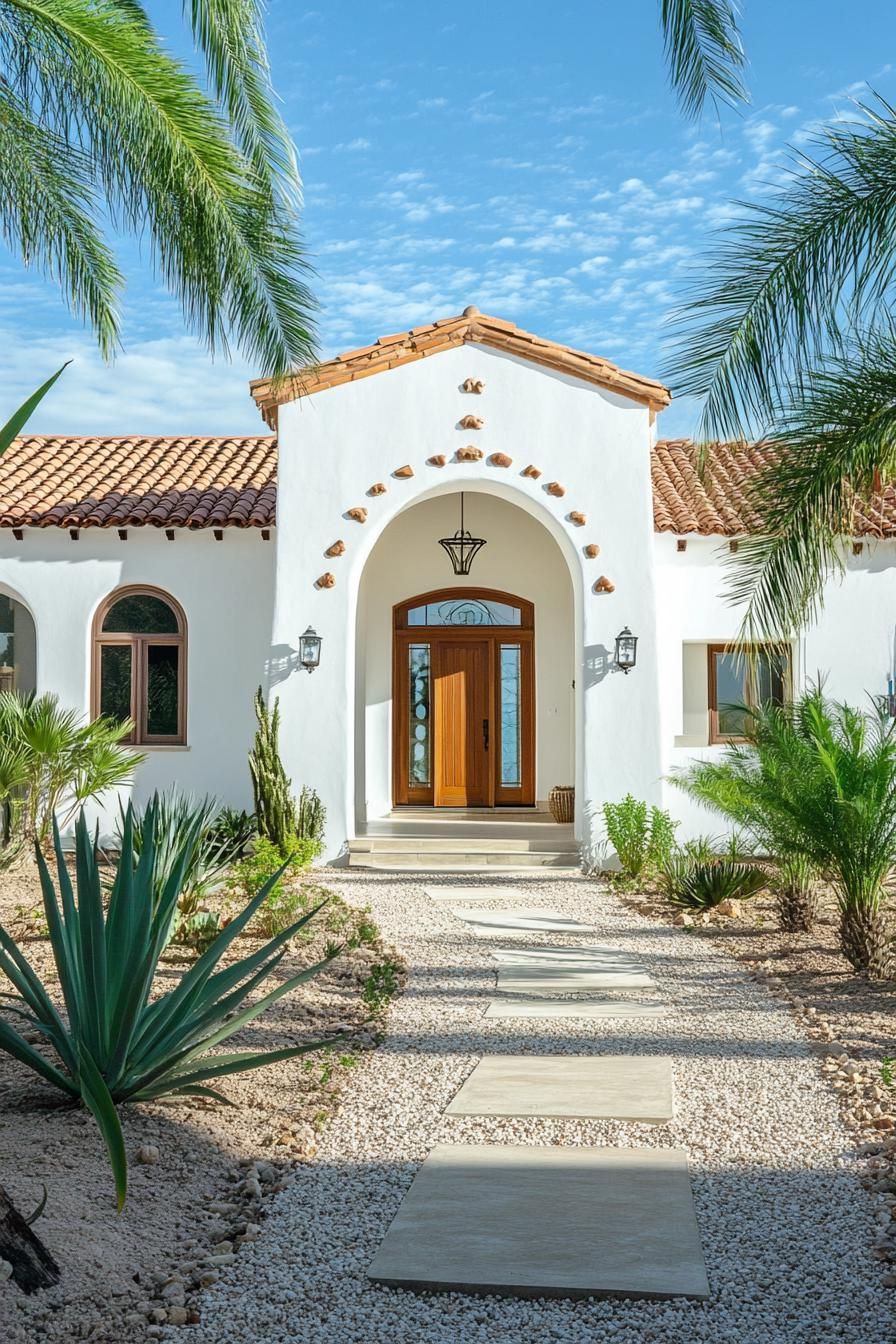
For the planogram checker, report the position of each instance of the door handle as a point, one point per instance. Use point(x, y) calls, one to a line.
point(485, 733)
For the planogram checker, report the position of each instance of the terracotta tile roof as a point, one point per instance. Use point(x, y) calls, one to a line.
point(390, 352)
point(718, 504)
point(135, 482)
point(232, 482)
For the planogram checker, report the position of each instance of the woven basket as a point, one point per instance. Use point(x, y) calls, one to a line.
point(562, 802)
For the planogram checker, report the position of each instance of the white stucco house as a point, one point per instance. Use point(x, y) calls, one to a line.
point(166, 578)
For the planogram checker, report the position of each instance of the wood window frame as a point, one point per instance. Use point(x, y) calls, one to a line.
point(405, 635)
point(712, 651)
point(139, 645)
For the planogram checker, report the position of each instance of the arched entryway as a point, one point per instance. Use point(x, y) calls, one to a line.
point(464, 699)
point(523, 564)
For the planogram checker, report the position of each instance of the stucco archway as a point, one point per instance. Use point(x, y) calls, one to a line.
point(521, 556)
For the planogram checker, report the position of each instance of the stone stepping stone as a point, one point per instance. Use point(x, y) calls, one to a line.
point(475, 893)
point(500, 923)
point(603, 958)
point(547, 1222)
point(588, 1008)
point(557, 980)
point(582, 1087)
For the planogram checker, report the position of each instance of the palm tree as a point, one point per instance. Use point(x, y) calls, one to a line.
point(817, 781)
point(790, 336)
point(99, 122)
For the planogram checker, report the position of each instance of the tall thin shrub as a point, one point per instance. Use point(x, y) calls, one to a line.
point(642, 837)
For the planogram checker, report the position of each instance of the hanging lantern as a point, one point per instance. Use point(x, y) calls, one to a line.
point(309, 649)
point(626, 650)
point(462, 547)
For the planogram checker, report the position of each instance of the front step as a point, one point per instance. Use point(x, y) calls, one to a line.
point(461, 855)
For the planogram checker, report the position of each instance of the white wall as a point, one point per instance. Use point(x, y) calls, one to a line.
point(520, 557)
point(226, 591)
point(852, 645)
point(335, 444)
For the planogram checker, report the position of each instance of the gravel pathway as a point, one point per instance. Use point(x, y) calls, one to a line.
point(786, 1227)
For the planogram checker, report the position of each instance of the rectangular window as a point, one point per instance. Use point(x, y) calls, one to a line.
point(419, 702)
point(115, 681)
point(511, 717)
point(162, 662)
point(737, 680)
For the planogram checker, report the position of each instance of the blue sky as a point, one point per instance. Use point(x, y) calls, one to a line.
point(526, 158)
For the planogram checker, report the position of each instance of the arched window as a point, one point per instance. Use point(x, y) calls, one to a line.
point(140, 664)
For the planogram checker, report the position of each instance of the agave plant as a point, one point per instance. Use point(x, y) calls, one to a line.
point(185, 827)
point(701, 885)
point(113, 1042)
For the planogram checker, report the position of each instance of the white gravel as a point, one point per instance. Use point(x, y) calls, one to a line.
point(787, 1229)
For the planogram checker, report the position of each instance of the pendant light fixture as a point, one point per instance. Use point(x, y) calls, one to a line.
point(462, 547)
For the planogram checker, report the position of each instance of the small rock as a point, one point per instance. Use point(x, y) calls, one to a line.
point(178, 1316)
point(5, 1271)
point(148, 1154)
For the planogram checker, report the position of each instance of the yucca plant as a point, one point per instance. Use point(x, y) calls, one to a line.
point(701, 885)
point(113, 1042)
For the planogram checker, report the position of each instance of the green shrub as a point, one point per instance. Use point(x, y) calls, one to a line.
point(113, 1043)
point(818, 780)
point(381, 985)
point(284, 900)
point(642, 838)
point(698, 885)
point(311, 819)
point(51, 763)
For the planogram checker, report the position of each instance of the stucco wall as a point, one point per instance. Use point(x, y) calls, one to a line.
point(335, 444)
point(851, 646)
point(520, 557)
point(226, 591)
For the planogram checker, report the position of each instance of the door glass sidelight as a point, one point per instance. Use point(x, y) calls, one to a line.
point(419, 710)
point(511, 716)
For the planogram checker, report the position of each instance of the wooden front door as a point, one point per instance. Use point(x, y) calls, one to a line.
point(461, 722)
point(464, 700)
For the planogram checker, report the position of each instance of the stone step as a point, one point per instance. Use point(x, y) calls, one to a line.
point(464, 860)
point(464, 844)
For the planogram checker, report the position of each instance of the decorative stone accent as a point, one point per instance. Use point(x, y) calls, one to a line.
point(404, 473)
point(592, 550)
point(532, 472)
point(378, 489)
point(357, 515)
point(338, 548)
point(472, 385)
point(470, 422)
point(501, 460)
point(556, 489)
point(470, 454)
point(438, 461)
point(604, 585)
point(577, 519)
point(327, 581)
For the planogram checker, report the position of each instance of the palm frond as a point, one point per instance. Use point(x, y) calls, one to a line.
point(704, 52)
point(834, 448)
point(786, 282)
point(162, 152)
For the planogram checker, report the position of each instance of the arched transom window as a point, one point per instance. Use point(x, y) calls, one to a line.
point(139, 667)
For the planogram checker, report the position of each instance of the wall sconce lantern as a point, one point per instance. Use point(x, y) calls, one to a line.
point(309, 649)
point(462, 548)
point(626, 650)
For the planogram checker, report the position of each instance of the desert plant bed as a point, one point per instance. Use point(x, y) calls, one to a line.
point(201, 1173)
point(852, 1021)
